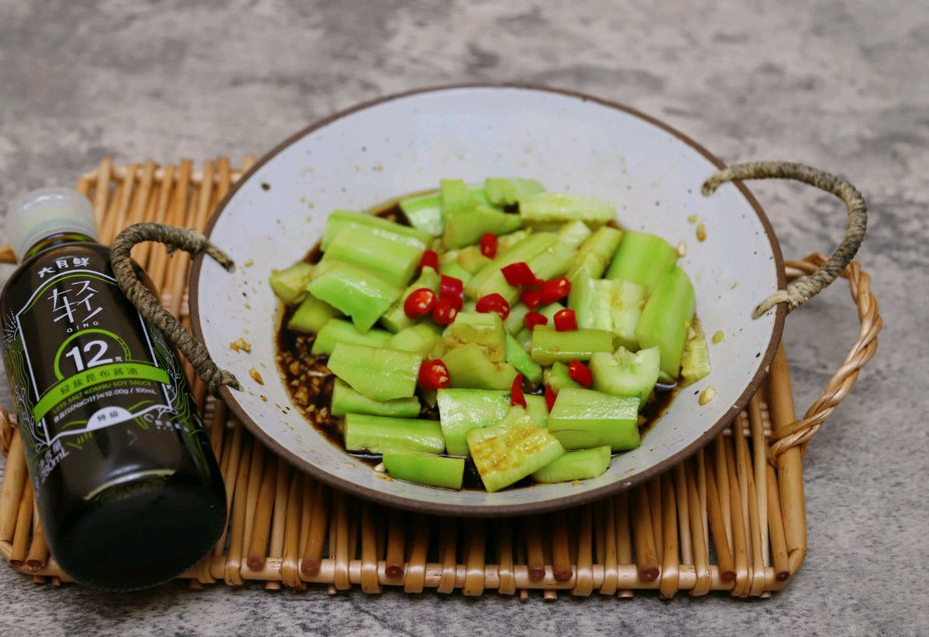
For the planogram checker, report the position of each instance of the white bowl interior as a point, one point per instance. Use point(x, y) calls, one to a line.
point(407, 144)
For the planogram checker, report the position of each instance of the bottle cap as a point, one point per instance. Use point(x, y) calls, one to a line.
point(46, 212)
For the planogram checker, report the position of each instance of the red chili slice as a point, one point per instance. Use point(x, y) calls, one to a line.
point(493, 303)
point(419, 303)
point(430, 259)
point(516, 392)
point(580, 373)
point(433, 374)
point(550, 397)
point(534, 318)
point(532, 298)
point(555, 290)
point(519, 274)
point(565, 321)
point(452, 289)
point(444, 312)
point(489, 245)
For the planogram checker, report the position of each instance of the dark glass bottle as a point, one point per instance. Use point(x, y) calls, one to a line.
point(127, 486)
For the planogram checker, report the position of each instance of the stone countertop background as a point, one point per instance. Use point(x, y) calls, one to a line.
point(840, 85)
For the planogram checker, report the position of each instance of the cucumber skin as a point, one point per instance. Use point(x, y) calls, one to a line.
point(424, 213)
point(355, 292)
point(642, 258)
point(289, 285)
point(342, 331)
point(613, 375)
point(537, 409)
point(346, 400)
point(469, 367)
point(511, 450)
point(668, 313)
point(311, 315)
point(461, 410)
point(422, 339)
point(423, 468)
point(377, 434)
point(341, 219)
point(394, 262)
point(506, 191)
point(549, 345)
point(520, 359)
point(595, 254)
point(466, 227)
point(376, 372)
point(583, 464)
point(557, 207)
point(583, 418)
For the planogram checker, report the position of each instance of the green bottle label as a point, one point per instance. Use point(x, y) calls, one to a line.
point(83, 360)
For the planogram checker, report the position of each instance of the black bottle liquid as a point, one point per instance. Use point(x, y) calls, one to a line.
point(127, 486)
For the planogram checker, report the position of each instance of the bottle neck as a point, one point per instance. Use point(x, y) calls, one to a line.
point(55, 240)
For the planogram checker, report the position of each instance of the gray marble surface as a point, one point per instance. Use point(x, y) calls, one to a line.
point(841, 85)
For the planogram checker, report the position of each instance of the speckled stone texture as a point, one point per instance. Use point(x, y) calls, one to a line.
point(840, 85)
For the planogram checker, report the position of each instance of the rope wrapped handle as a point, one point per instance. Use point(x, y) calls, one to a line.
point(807, 286)
point(808, 278)
point(150, 307)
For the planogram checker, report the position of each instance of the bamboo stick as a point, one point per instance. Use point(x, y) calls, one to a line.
point(290, 559)
point(714, 515)
point(505, 556)
point(395, 544)
point(776, 526)
point(369, 558)
point(739, 543)
point(789, 469)
point(255, 476)
point(670, 574)
point(653, 488)
point(415, 576)
point(683, 514)
point(261, 524)
point(316, 534)
point(38, 549)
point(535, 556)
point(102, 190)
point(14, 477)
point(161, 208)
point(646, 555)
point(561, 557)
point(475, 561)
point(340, 550)
point(701, 559)
point(760, 473)
point(448, 531)
point(722, 483)
point(231, 572)
point(608, 557)
point(23, 528)
point(584, 577)
point(623, 540)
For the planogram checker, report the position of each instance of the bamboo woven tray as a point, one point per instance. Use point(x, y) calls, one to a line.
point(731, 518)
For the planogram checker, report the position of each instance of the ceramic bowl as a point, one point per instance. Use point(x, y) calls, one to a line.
point(384, 149)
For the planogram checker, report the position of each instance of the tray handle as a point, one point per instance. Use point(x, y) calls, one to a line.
point(805, 287)
point(807, 278)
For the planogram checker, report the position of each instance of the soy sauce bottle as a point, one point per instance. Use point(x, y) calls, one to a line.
point(127, 486)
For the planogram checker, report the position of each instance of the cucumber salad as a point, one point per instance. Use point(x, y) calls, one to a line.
point(503, 326)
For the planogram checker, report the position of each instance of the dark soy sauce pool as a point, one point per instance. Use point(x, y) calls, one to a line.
point(310, 385)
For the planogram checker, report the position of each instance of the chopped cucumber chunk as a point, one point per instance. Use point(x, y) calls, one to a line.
point(424, 468)
point(625, 373)
point(376, 372)
point(695, 362)
point(461, 410)
point(583, 418)
point(558, 207)
point(549, 345)
point(340, 219)
point(379, 434)
point(395, 319)
point(346, 400)
point(584, 464)
point(642, 258)
point(506, 192)
point(340, 331)
point(394, 262)
point(289, 285)
point(469, 366)
point(356, 292)
point(520, 359)
point(311, 315)
point(422, 338)
point(484, 329)
point(666, 318)
point(425, 213)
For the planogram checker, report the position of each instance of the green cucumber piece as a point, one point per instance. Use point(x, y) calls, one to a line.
point(642, 258)
point(557, 377)
point(484, 329)
point(394, 262)
point(423, 339)
point(469, 366)
point(289, 285)
point(340, 219)
point(346, 400)
point(625, 373)
point(520, 359)
point(549, 345)
point(573, 234)
point(695, 362)
point(378, 373)
point(491, 278)
point(455, 197)
point(666, 318)
point(553, 261)
point(379, 434)
point(582, 419)
point(515, 320)
point(311, 315)
point(506, 192)
point(471, 259)
point(461, 410)
point(356, 292)
point(584, 464)
point(524, 338)
point(507, 241)
point(454, 270)
point(424, 213)
point(341, 331)
point(466, 227)
point(509, 451)
point(557, 207)
point(537, 409)
point(595, 254)
point(395, 319)
point(611, 305)
point(424, 468)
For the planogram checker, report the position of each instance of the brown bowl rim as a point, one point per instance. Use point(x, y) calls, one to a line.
point(563, 502)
